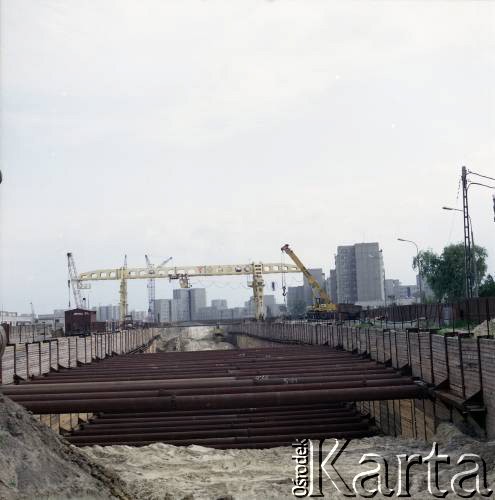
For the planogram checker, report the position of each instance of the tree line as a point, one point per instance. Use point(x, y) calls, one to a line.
point(446, 275)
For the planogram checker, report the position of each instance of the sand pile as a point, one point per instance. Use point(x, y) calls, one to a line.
point(485, 328)
point(161, 471)
point(36, 463)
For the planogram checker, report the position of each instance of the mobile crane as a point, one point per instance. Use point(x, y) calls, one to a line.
point(323, 307)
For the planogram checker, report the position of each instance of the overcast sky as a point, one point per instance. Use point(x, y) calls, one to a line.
point(215, 132)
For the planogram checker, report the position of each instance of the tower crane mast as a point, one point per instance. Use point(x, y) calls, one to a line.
point(151, 288)
point(74, 281)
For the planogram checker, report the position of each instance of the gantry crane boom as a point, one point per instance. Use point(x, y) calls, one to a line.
point(318, 291)
point(182, 273)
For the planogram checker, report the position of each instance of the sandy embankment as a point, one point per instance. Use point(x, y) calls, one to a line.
point(162, 471)
point(36, 463)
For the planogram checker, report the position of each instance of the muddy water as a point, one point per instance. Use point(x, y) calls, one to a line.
point(161, 471)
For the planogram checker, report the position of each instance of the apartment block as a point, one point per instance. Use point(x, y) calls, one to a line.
point(186, 303)
point(345, 268)
point(197, 300)
point(163, 310)
point(359, 274)
point(108, 313)
point(369, 273)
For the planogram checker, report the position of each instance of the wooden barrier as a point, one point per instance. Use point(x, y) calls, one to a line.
point(22, 361)
point(464, 368)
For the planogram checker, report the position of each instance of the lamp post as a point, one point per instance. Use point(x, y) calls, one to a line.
point(419, 266)
point(471, 250)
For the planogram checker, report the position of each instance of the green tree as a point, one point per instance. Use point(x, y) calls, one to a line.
point(487, 289)
point(445, 273)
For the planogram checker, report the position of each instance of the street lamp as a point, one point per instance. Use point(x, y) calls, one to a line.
point(419, 266)
point(475, 271)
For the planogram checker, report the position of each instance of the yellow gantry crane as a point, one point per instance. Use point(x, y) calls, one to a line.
point(184, 273)
point(323, 306)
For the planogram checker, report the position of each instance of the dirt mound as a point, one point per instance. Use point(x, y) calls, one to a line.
point(36, 463)
point(484, 328)
point(165, 472)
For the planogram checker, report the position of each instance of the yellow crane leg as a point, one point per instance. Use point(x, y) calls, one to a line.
point(123, 298)
point(258, 286)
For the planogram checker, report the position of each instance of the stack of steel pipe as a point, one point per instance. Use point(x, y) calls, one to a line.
point(239, 398)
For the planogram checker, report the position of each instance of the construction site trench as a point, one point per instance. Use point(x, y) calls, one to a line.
point(198, 389)
point(183, 440)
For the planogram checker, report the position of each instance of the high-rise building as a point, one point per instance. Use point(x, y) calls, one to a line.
point(186, 303)
point(369, 273)
point(174, 310)
point(359, 274)
point(108, 313)
point(345, 268)
point(182, 304)
point(197, 300)
point(331, 285)
point(163, 310)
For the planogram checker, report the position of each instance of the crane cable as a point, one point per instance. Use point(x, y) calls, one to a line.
point(283, 278)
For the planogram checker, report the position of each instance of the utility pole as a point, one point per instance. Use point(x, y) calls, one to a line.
point(123, 291)
point(468, 257)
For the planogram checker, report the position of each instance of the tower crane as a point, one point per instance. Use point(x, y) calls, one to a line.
point(323, 306)
point(74, 282)
point(151, 287)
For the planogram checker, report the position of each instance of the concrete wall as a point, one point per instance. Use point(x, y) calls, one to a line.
point(458, 368)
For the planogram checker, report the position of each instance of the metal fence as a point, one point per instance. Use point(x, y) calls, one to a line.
point(465, 315)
